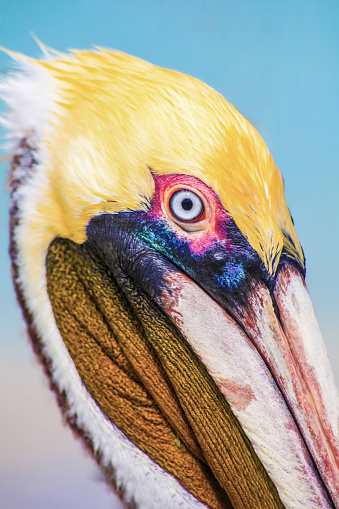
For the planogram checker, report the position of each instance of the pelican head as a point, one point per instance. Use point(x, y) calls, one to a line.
point(163, 286)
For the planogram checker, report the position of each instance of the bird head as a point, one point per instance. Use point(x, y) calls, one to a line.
point(163, 284)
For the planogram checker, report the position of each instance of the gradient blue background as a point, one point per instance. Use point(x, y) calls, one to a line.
point(277, 62)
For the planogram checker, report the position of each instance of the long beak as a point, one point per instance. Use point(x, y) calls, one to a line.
point(296, 355)
point(265, 354)
point(274, 372)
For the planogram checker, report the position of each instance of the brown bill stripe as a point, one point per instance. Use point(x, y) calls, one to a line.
point(146, 379)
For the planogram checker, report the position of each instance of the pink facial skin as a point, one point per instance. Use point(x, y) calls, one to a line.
point(216, 218)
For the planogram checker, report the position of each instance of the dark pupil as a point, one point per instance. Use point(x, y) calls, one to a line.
point(187, 204)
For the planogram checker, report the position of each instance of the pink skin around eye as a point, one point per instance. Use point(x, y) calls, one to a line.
point(215, 226)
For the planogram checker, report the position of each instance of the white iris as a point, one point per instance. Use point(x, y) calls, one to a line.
point(186, 205)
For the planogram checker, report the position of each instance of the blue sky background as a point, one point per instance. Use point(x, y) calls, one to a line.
point(277, 62)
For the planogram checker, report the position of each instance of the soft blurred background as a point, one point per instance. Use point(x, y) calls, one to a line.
point(277, 62)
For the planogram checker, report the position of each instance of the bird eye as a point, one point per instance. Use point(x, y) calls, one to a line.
point(186, 205)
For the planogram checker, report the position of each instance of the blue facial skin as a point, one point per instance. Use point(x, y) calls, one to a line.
point(146, 249)
point(232, 276)
point(227, 273)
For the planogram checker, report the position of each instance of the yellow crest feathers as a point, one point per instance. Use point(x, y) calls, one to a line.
point(116, 118)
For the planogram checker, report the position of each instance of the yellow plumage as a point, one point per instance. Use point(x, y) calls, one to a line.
point(116, 118)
